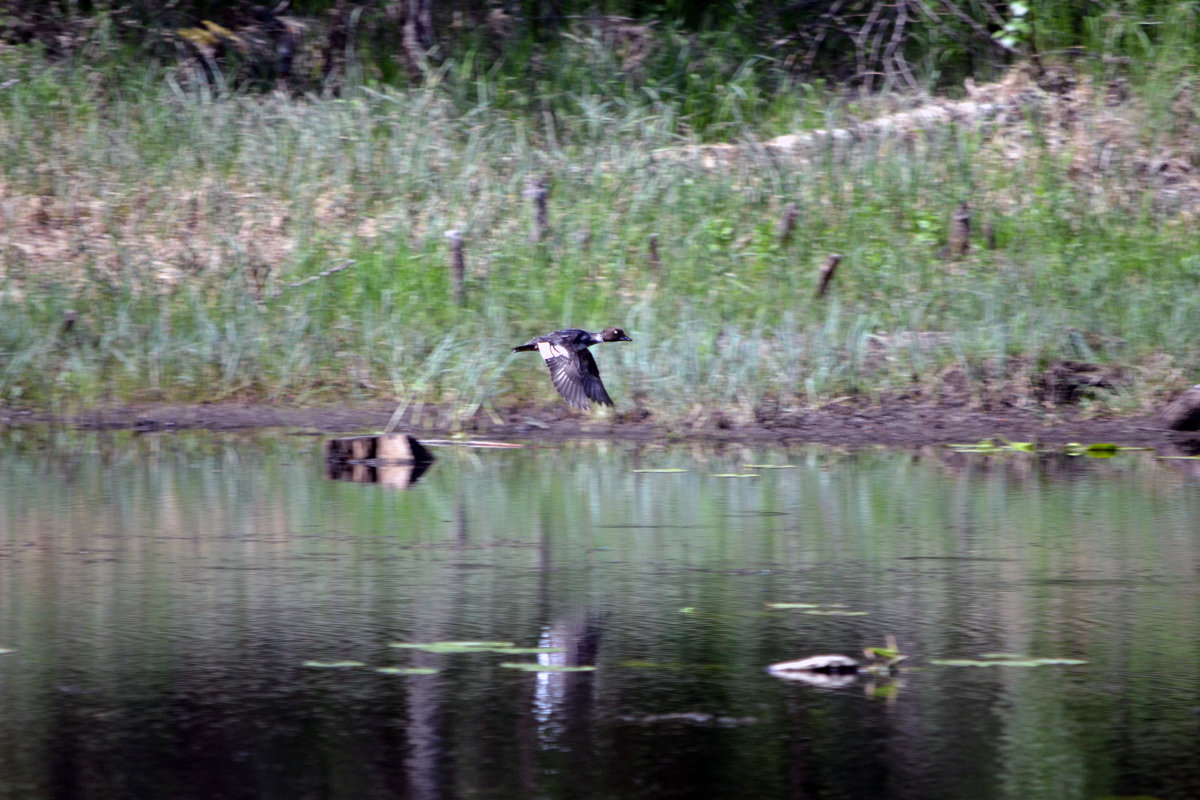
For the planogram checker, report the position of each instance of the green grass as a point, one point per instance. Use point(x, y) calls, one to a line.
point(173, 224)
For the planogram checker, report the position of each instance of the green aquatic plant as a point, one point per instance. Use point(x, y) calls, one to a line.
point(406, 670)
point(333, 664)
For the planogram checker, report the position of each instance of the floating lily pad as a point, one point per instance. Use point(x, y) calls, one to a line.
point(1006, 662)
point(769, 466)
point(792, 605)
point(735, 475)
point(531, 666)
point(406, 670)
point(688, 610)
point(992, 447)
point(835, 612)
point(453, 647)
point(664, 469)
point(333, 664)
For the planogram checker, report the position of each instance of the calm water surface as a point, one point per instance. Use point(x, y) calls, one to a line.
point(164, 596)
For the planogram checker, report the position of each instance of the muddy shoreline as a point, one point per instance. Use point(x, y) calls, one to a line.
point(894, 423)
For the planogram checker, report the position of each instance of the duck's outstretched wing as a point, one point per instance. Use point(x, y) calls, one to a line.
point(574, 374)
point(589, 374)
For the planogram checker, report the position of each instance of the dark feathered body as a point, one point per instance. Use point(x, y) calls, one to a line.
point(572, 368)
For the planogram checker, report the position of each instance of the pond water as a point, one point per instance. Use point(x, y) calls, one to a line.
point(174, 605)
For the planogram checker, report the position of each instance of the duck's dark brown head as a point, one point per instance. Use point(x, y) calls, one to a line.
point(614, 335)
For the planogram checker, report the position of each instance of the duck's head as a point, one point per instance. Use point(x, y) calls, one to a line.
point(614, 335)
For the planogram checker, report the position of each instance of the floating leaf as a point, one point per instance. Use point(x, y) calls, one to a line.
point(531, 666)
point(882, 652)
point(734, 475)
point(792, 605)
point(648, 665)
point(1098, 450)
point(836, 613)
point(406, 670)
point(687, 610)
point(664, 469)
point(991, 447)
point(1006, 662)
point(453, 647)
point(769, 466)
point(333, 664)
point(985, 446)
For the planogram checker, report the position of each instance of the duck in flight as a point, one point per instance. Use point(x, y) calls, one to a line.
point(572, 368)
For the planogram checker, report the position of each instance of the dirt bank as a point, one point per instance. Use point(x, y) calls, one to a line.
point(893, 423)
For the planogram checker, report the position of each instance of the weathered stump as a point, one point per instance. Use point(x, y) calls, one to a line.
point(960, 230)
point(787, 224)
point(1183, 413)
point(458, 266)
point(825, 275)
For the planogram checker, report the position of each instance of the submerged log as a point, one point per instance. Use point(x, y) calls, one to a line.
point(1183, 413)
point(395, 448)
point(828, 671)
point(828, 664)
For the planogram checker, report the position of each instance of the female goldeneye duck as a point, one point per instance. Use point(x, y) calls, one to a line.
point(572, 367)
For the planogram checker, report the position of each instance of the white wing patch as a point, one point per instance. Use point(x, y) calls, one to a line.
point(549, 350)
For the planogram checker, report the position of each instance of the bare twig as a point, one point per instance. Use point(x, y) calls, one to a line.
point(822, 30)
point(323, 274)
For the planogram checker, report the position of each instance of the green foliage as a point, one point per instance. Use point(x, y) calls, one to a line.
point(292, 248)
